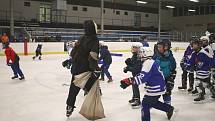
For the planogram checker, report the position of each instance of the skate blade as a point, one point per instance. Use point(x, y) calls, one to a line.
point(199, 102)
point(65, 85)
point(135, 107)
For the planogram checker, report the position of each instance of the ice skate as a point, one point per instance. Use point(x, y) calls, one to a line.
point(69, 110)
point(131, 101)
point(201, 97)
point(136, 104)
point(110, 80)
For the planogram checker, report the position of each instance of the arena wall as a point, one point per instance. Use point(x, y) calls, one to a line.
point(58, 47)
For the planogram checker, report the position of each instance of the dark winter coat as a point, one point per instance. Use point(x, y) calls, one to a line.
point(135, 65)
point(105, 55)
point(86, 46)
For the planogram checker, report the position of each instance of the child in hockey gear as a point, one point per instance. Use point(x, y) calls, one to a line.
point(185, 59)
point(13, 62)
point(38, 52)
point(134, 65)
point(144, 41)
point(68, 62)
point(205, 45)
point(201, 62)
point(155, 86)
point(166, 61)
point(84, 59)
point(107, 60)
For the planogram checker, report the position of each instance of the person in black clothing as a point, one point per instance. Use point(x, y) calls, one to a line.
point(134, 65)
point(38, 51)
point(84, 58)
point(107, 60)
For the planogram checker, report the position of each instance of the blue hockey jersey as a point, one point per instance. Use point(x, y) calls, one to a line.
point(201, 62)
point(187, 54)
point(152, 77)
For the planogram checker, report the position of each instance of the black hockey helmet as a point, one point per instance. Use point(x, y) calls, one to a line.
point(195, 40)
point(167, 42)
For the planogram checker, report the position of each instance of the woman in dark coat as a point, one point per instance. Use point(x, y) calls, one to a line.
point(84, 58)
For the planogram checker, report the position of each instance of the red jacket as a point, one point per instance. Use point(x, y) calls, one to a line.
point(10, 55)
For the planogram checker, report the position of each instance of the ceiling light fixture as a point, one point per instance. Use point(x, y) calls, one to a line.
point(191, 10)
point(196, 1)
point(141, 2)
point(168, 6)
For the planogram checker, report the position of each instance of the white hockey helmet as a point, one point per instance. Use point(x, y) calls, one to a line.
point(101, 43)
point(204, 38)
point(137, 45)
point(147, 52)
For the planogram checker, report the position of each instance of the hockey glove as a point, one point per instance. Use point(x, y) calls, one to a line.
point(125, 70)
point(9, 64)
point(67, 63)
point(173, 75)
point(182, 64)
point(126, 82)
point(128, 61)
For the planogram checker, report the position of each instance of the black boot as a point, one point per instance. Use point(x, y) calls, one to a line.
point(22, 78)
point(170, 113)
point(14, 77)
point(33, 57)
point(40, 58)
point(69, 110)
point(110, 79)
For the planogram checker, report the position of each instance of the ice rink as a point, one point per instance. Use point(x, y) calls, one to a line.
point(42, 95)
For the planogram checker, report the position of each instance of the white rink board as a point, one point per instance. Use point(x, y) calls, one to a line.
point(47, 47)
point(113, 46)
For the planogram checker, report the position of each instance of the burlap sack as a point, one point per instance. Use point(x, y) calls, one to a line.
point(81, 79)
point(92, 108)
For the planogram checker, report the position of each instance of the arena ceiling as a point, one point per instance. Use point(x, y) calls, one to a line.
point(154, 3)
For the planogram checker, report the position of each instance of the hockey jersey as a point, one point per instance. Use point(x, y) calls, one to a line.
point(11, 55)
point(187, 54)
point(39, 48)
point(152, 77)
point(201, 62)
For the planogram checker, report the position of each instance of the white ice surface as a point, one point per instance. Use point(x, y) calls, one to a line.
point(41, 97)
